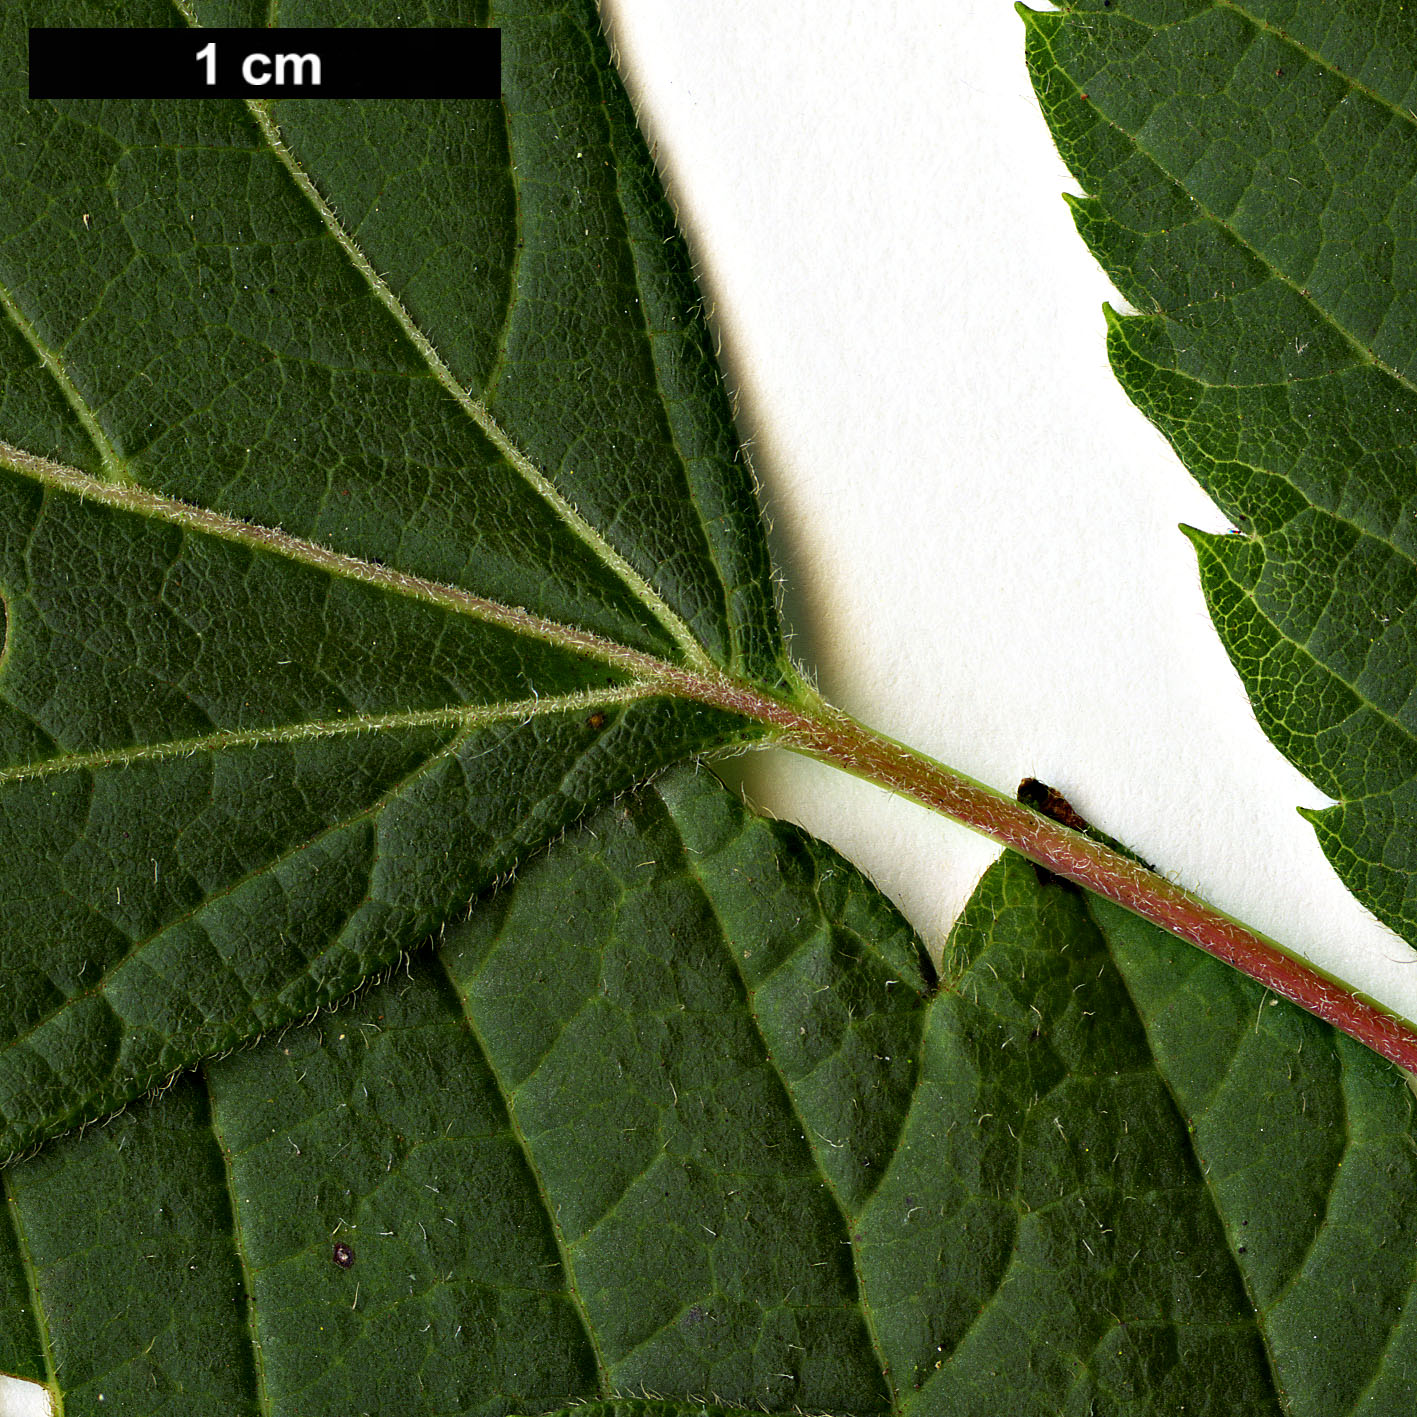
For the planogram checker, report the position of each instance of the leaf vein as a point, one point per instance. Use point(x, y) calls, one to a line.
point(140, 500)
point(1302, 647)
point(1329, 1188)
point(467, 718)
point(499, 358)
point(19, 1040)
point(475, 409)
point(729, 620)
point(808, 1133)
point(41, 1316)
point(607, 1389)
point(1385, 1356)
point(1367, 354)
point(1217, 1209)
point(1312, 55)
point(112, 464)
point(248, 1292)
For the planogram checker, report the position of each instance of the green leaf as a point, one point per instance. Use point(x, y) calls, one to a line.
point(1251, 174)
point(368, 494)
point(680, 1113)
point(373, 513)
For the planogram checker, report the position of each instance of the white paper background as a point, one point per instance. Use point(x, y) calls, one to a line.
point(977, 529)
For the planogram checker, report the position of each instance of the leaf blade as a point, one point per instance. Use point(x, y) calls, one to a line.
point(658, 1159)
point(1257, 214)
point(260, 512)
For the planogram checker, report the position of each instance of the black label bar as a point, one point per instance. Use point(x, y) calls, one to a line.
point(269, 63)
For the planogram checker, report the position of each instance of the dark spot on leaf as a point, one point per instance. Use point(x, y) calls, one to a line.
point(694, 1317)
point(343, 1256)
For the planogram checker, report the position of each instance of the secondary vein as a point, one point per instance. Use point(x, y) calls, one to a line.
point(113, 465)
point(639, 586)
point(1406, 116)
point(456, 716)
point(1367, 354)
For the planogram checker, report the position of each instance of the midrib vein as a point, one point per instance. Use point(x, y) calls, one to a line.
point(460, 717)
point(1202, 1169)
point(41, 1317)
point(648, 674)
point(507, 1096)
point(694, 653)
point(848, 1221)
point(131, 497)
point(238, 1243)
